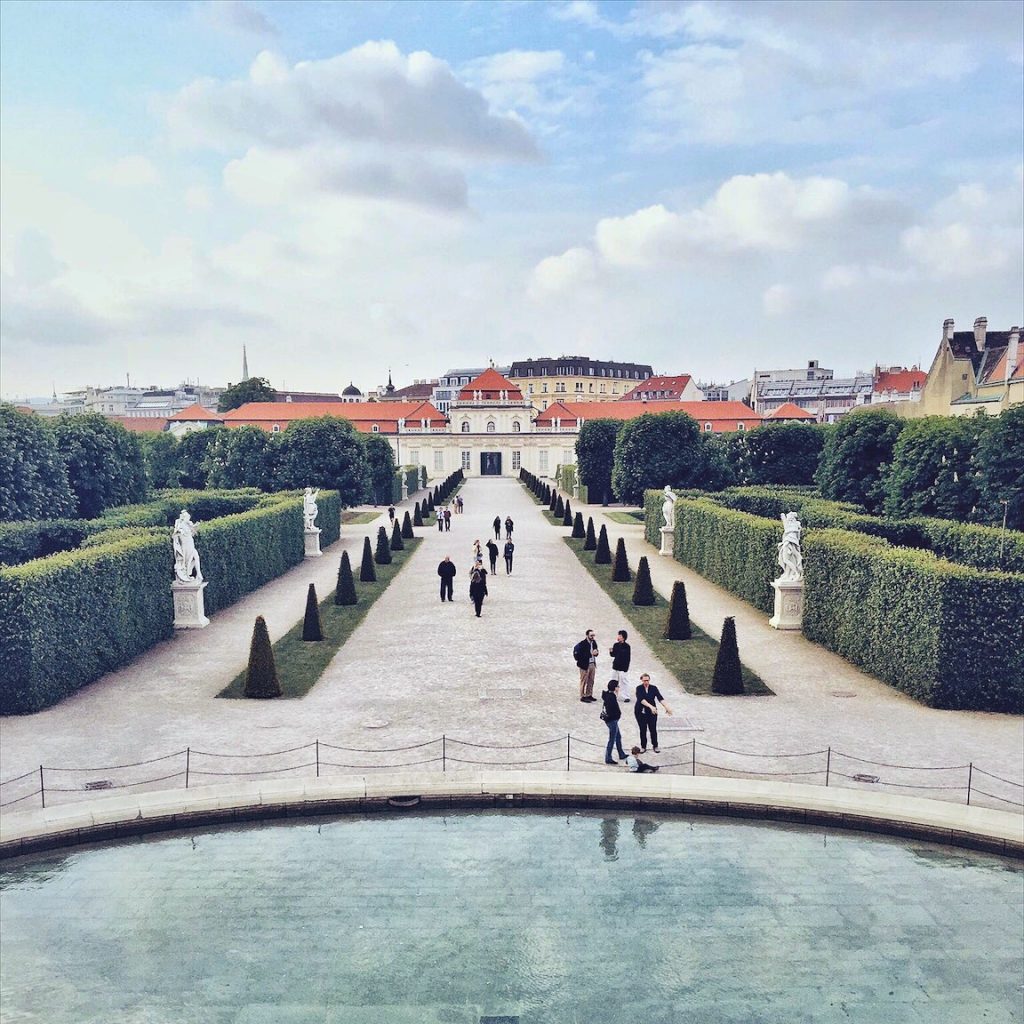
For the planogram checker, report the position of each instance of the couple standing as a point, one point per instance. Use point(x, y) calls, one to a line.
point(648, 697)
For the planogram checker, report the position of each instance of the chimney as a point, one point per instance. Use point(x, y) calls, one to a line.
point(980, 328)
point(1012, 352)
point(947, 329)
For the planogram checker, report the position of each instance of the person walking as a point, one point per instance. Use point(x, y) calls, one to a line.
point(447, 520)
point(478, 555)
point(497, 527)
point(391, 513)
point(446, 570)
point(611, 715)
point(621, 654)
point(508, 527)
point(585, 653)
point(440, 520)
point(492, 555)
point(478, 587)
point(648, 697)
point(459, 504)
point(509, 551)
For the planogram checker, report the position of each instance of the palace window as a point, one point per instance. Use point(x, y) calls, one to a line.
point(276, 428)
point(414, 457)
point(465, 426)
point(439, 462)
point(490, 427)
point(465, 462)
point(375, 429)
point(515, 426)
point(707, 428)
point(516, 460)
point(741, 426)
point(542, 463)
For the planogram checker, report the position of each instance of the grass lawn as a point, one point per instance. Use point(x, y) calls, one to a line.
point(692, 662)
point(626, 518)
point(359, 517)
point(300, 663)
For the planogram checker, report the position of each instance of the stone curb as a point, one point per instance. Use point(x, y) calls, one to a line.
point(119, 817)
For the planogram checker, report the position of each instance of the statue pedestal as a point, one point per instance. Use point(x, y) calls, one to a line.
point(667, 539)
point(789, 604)
point(312, 539)
point(188, 604)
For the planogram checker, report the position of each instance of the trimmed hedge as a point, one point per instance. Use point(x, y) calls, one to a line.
point(946, 634)
point(23, 541)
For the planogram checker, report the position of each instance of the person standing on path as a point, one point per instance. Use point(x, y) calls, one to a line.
point(621, 654)
point(585, 653)
point(458, 504)
point(648, 697)
point(492, 555)
point(611, 715)
point(446, 570)
point(478, 555)
point(509, 551)
point(508, 527)
point(478, 587)
point(497, 527)
point(391, 513)
point(447, 520)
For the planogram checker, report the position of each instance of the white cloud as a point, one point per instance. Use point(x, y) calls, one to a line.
point(576, 266)
point(524, 81)
point(198, 197)
point(133, 171)
point(778, 300)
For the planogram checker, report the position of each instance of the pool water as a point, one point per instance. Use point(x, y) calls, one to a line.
point(519, 916)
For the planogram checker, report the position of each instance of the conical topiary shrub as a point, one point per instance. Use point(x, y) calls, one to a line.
point(345, 591)
point(407, 533)
point(577, 527)
point(397, 544)
point(643, 589)
point(261, 676)
point(553, 502)
point(312, 627)
point(677, 627)
point(559, 507)
point(430, 504)
point(417, 517)
point(603, 554)
point(367, 570)
point(590, 544)
point(620, 571)
point(382, 556)
point(728, 677)
point(567, 514)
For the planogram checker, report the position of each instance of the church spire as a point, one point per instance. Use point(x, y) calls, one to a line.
point(245, 364)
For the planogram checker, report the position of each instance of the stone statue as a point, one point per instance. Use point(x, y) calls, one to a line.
point(186, 557)
point(791, 561)
point(668, 509)
point(309, 507)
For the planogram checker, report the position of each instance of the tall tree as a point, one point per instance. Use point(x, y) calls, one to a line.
point(255, 389)
point(160, 450)
point(655, 450)
point(782, 453)
point(193, 448)
point(856, 457)
point(33, 472)
point(105, 462)
point(1000, 460)
point(380, 460)
point(595, 457)
point(323, 452)
point(242, 457)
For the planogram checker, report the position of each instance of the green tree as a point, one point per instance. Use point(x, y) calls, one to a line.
point(578, 530)
point(1000, 461)
point(160, 453)
point(380, 460)
point(595, 457)
point(590, 544)
point(382, 556)
point(105, 462)
point(325, 451)
point(728, 677)
point(603, 554)
point(856, 457)
point(657, 449)
point(782, 453)
point(242, 457)
point(643, 589)
point(345, 591)
point(621, 572)
point(33, 472)
point(193, 448)
point(261, 676)
point(312, 626)
point(367, 568)
point(934, 471)
point(255, 389)
point(677, 626)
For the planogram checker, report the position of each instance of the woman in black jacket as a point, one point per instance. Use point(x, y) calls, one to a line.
point(611, 714)
point(478, 587)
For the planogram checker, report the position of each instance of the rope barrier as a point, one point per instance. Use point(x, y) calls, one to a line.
point(744, 753)
point(18, 778)
point(505, 764)
point(743, 771)
point(1009, 782)
point(269, 753)
point(512, 746)
point(18, 799)
point(898, 785)
point(906, 767)
point(124, 785)
point(255, 771)
point(377, 750)
point(403, 764)
point(116, 767)
point(1005, 800)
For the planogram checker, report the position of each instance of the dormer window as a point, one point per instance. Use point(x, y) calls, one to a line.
point(375, 429)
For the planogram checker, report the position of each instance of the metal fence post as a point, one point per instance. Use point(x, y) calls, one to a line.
point(318, 758)
point(693, 757)
point(970, 773)
point(188, 763)
point(444, 752)
point(567, 768)
point(42, 787)
point(828, 765)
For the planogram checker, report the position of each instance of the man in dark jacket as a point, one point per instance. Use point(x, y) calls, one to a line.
point(497, 527)
point(621, 654)
point(446, 570)
point(509, 552)
point(585, 654)
point(492, 554)
point(648, 697)
point(508, 527)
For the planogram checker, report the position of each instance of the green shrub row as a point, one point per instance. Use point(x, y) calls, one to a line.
point(947, 635)
point(38, 538)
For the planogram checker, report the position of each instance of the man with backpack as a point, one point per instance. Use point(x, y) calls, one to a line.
point(585, 655)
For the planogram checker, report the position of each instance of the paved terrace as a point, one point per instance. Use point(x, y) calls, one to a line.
point(415, 669)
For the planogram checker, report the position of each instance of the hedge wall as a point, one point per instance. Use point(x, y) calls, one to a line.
point(23, 541)
point(68, 619)
point(947, 635)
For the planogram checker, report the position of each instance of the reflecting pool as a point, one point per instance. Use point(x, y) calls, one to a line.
point(520, 916)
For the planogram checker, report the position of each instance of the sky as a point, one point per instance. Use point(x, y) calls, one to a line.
point(352, 188)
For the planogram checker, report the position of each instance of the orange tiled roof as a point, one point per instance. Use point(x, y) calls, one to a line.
point(790, 411)
point(141, 424)
point(196, 413)
point(491, 384)
point(900, 380)
point(675, 386)
point(724, 416)
point(363, 415)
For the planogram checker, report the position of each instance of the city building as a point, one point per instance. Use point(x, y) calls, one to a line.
point(307, 396)
point(972, 370)
point(366, 417)
point(449, 384)
point(737, 391)
point(352, 394)
point(133, 402)
point(195, 417)
point(787, 412)
point(665, 389)
point(575, 378)
point(141, 424)
point(814, 389)
point(713, 417)
point(898, 384)
point(417, 391)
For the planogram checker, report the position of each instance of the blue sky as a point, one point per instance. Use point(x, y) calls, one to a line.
point(709, 187)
